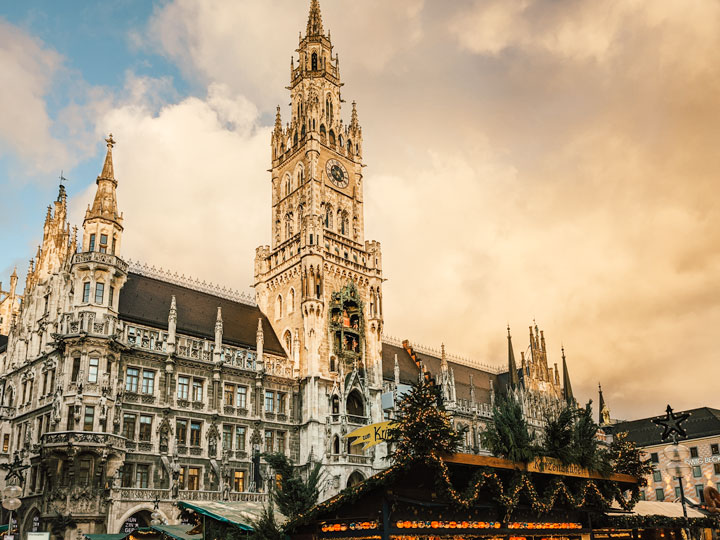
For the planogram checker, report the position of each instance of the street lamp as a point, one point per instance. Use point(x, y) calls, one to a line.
point(676, 455)
point(156, 517)
point(12, 492)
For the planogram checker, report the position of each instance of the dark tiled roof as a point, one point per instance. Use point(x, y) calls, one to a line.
point(703, 422)
point(3, 343)
point(146, 300)
point(409, 372)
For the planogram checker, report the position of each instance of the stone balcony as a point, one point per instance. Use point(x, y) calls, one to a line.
point(150, 494)
point(82, 438)
point(101, 258)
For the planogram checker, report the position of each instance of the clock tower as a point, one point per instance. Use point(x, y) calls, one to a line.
point(320, 281)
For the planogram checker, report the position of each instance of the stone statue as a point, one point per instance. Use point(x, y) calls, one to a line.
point(103, 404)
point(56, 411)
point(175, 473)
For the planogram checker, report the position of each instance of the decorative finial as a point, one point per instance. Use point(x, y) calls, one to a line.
point(110, 141)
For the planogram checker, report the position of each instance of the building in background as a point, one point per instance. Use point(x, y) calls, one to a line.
point(121, 384)
point(703, 440)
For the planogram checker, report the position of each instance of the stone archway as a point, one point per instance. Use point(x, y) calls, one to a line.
point(31, 522)
point(355, 478)
point(137, 516)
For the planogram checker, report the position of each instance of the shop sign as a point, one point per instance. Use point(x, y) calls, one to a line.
point(371, 435)
point(700, 460)
point(130, 525)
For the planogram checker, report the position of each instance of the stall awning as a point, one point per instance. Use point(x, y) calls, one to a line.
point(667, 509)
point(239, 513)
point(180, 532)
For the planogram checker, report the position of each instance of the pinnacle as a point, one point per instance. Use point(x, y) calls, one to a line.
point(108, 169)
point(314, 25)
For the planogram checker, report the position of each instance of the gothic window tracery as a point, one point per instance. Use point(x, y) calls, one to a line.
point(287, 339)
point(329, 217)
point(314, 62)
point(332, 138)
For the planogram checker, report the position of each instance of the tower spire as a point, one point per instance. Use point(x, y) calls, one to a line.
point(314, 24)
point(567, 387)
point(512, 367)
point(105, 204)
point(108, 172)
point(604, 413)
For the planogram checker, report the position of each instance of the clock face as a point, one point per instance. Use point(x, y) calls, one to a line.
point(337, 173)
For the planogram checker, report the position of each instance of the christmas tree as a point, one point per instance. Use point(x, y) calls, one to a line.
point(423, 426)
point(508, 435)
point(626, 458)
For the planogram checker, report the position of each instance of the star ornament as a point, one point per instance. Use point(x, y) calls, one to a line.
point(672, 423)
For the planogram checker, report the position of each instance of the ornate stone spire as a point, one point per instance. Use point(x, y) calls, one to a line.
point(108, 171)
point(314, 24)
point(278, 121)
point(512, 367)
point(105, 204)
point(354, 123)
point(567, 387)
point(604, 413)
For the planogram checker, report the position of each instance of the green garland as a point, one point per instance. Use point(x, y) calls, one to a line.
point(602, 493)
point(659, 522)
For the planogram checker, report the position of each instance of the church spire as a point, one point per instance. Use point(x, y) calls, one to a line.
point(512, 367)
point(108, 172)
point(105, 204)
point(604, 413)
point(567, 387)
point(314, 24)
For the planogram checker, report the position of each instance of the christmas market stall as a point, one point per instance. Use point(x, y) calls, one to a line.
point(464, 496)
point(224, 519)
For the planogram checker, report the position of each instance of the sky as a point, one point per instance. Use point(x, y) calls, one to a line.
point(529, 160)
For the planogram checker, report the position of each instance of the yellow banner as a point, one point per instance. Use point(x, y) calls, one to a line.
point(370, 435)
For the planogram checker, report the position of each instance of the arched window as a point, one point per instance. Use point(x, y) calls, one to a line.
point(355, 478)
point(322, 130)
point(287, 339)
point(349, 146)
point(344, 224)
point(340, 140)
point(336, 445)
point(335, 405)
point(291, 301)
point(288, 184)
point(295, 139)
point(333, 367)
point(288, 226)
point(355, 405)
point(329, 217)
point(332, 138)
point(314, 64)
point(279, 307)
point(302, 132)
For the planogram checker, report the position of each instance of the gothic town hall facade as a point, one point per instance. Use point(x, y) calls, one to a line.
point(121, 385)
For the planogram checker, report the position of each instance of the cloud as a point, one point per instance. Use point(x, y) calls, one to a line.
point(247, 45)
point(28, 68)
point(191, 183)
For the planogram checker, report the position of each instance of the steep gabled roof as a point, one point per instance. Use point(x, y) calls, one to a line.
point(409, 372)
point(146, 300)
